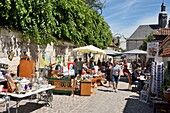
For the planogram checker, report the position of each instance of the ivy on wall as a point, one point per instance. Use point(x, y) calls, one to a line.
point(46, 21)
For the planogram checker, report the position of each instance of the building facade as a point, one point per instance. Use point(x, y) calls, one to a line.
point(143, 31)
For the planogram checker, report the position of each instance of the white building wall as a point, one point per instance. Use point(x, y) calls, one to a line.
point(123, 43)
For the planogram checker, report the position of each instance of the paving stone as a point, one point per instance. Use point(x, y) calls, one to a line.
point(104, 101)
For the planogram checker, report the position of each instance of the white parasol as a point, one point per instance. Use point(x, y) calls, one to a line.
point(136, 52)
point(89, 49)
point(112, 52)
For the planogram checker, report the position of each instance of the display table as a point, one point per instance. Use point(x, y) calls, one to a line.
point(98, 80)
point(62, 85)
point(39, 91)
point(85, 88)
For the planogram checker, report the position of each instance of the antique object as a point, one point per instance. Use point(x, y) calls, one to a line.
point(85, 88)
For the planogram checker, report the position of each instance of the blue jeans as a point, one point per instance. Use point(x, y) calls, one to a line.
point(115, 78)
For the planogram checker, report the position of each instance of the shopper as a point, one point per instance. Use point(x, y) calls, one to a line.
point(115, 74)
point(75, 66)
point(108, 69)
point(79, 66)
point(136, 79)
point(127, 73)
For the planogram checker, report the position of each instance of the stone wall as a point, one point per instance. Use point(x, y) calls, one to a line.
point(11, 41)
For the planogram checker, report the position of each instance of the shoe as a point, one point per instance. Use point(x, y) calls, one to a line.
point(116, 90)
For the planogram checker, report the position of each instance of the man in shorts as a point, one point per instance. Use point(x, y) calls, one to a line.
point(115, 74)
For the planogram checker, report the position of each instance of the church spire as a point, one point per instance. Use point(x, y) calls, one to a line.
point(162, 19)
point(163, 7)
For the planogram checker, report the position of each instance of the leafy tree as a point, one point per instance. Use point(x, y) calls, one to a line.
point(96, 4)
point(46, 21)
point(147, 39)
point(34, 18)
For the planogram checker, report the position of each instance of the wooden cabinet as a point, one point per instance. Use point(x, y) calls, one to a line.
point(26, 68)
point(85, 88)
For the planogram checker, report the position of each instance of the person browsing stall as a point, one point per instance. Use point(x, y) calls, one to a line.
point(115, 74)
point(127, 73)
point(80, 66)
point(75, 67)
point(136, 78)
point(108, 69)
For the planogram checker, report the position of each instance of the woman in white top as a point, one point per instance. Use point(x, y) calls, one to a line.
point(115, 74)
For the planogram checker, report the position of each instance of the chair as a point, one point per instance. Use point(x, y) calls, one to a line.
point(135, 83)
point(5, 100)
point(2, 102)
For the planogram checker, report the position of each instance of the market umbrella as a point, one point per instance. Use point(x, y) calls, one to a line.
point(89, 49)
point(112, 52)
point(135, 52)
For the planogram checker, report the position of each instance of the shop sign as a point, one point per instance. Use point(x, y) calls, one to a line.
point(152, 49)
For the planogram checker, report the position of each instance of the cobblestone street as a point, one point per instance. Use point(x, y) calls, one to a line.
point(103, 101)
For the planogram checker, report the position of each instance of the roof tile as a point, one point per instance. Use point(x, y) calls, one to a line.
point(166, 51)
point(162, 31)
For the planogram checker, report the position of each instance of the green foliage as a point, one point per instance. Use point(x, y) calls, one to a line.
point(147, 39)
point(46, 21)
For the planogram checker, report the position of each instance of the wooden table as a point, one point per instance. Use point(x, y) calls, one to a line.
point(97, 80)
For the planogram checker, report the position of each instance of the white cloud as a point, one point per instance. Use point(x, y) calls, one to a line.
point(127, 31)
point(121, 9)
point(113, 15)
point(129, 3)
point(124, 17)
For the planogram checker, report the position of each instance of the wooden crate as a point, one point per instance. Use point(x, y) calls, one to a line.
point(85, 88)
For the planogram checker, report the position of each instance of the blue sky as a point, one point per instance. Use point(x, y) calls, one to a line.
point(124, 16)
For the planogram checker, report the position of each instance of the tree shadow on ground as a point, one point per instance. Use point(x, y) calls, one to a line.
point(124, 90)
point(26, 108)
point(133, 105)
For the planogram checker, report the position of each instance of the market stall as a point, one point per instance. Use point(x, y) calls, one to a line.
point(62, 85)
point(21, 87)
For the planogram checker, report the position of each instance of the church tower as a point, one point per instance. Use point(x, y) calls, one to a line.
point(162, 17)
